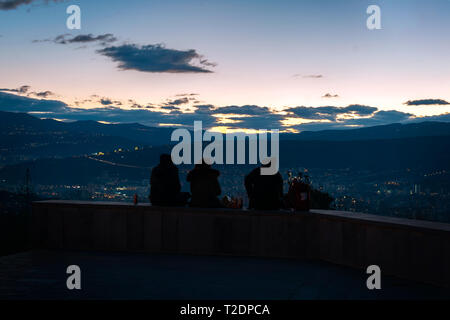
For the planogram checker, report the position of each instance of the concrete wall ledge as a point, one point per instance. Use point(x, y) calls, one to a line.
point(418, 250)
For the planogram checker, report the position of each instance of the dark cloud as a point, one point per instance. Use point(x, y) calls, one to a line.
point(360, 110)
point(103, 39)
point(14, 4)
point(445, 117)
point(244, 110)
point(137, 106)
point(26, 90)
point(329, 95)
point(330, 113)
point(22, 89)
point(204, 109)
point(170, 108)
point(156, 58)
point(15, 103)
point(426, 102)
point(43, 94)
point(106, 102)
point(381, 117)
point(177, 102)
point(270, 121)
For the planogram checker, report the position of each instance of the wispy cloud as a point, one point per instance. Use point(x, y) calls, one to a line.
point(103, 39)
point(186, 94)
point(44, 94)
point(314, 76)
point(157, 58)
point(25, 90)
point(331, 113)
point(306, 76)
point(329, 95)
point(21, 90)
point(14, 4)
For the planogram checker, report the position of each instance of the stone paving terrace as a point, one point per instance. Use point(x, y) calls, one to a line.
point(42, 275)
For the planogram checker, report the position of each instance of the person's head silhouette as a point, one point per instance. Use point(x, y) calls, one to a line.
point(165, 159)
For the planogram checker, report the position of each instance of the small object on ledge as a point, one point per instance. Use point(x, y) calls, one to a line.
point(135, 199)
point(232, 203)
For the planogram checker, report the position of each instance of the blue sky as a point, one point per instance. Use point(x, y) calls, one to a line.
point(274, 59)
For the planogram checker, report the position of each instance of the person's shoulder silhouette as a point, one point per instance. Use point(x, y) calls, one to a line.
point(205, 187)
point(164, 183)
point(265, 192)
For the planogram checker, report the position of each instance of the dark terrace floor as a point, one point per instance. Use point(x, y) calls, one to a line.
point(42, 275)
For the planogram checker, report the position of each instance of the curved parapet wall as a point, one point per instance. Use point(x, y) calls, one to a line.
point(406, 248)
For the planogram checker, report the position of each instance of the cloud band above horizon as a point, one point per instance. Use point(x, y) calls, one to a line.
point(247, 117)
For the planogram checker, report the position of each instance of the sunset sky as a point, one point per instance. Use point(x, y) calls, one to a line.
point(247, 64)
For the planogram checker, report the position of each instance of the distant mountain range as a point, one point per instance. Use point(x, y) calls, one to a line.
point(26, 138)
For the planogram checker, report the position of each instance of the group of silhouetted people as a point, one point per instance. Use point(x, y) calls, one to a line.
point(265, 192)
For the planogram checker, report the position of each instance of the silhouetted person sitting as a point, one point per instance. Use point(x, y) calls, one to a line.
point(205, 186)
point(265, 192)
point(165, 185)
